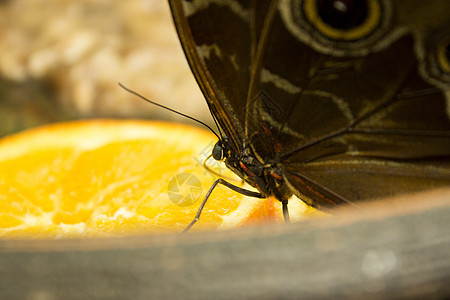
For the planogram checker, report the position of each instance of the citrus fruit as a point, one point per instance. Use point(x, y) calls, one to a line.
point(104, 178)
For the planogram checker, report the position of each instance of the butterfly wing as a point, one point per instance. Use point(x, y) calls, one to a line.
point(218, 41)
point(352, 122)
point(345, 119)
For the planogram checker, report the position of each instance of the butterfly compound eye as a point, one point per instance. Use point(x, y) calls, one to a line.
point(217, 151)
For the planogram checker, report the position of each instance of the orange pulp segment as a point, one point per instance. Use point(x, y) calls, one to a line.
point(103, 178)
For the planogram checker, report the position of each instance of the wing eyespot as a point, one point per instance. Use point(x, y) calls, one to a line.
point(340, 27)
point(343, 19)
point(443, 56)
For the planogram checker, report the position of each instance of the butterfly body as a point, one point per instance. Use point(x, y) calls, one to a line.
point(332, 101)
point(266, 176)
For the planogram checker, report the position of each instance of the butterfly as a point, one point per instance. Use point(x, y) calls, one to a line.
point(334, 101)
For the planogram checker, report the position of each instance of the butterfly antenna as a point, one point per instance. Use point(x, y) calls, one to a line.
point(169, 109)
point(217, 124)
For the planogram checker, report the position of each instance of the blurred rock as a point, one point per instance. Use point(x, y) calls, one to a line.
point(77, 51)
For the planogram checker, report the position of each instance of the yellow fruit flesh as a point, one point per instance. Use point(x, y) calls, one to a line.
point(105, 178)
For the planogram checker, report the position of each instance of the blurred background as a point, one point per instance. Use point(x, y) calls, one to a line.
point(62, 59)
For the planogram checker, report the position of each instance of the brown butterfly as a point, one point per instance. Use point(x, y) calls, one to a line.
point(334, 101)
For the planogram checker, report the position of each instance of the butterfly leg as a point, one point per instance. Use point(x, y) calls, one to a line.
point(285, 212)
point(206, 167)
point(229, 185)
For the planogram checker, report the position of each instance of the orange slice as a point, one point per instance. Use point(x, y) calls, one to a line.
point(110, 177)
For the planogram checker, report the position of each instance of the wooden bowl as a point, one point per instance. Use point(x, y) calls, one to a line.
point(394, 248)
